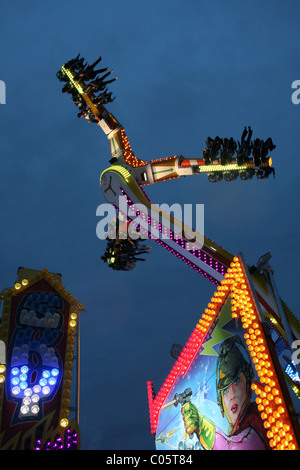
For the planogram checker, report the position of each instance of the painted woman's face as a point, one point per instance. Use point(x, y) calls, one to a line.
point(234, 397)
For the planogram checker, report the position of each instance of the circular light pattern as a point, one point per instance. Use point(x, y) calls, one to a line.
point(35, 409)
point(24, 409)
point(64, 422)
point(32, 395)
point(23, 385)
point(46, 390)
point(52, 381)
point(35, 398)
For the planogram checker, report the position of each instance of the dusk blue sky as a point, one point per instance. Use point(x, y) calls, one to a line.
point(187, 70)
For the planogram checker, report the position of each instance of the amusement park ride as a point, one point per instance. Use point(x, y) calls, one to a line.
point(245, 312)
point(268, 326)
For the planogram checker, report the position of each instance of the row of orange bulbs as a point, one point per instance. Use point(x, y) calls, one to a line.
point(270, 400)
point(129, 156)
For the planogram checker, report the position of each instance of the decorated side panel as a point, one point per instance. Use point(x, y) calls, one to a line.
point(212, 407)
point(226, 391)
point(38, 327)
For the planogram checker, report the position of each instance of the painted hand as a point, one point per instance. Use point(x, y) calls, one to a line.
point(191, 418)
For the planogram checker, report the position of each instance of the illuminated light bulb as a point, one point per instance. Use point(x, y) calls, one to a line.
point(46, 390)
point(18, 286)
point(2, 378)
point(64, 422)
point(15, 370)
point(73, 316)
point(24, 409)
point(27, 392)
point(272, 443)
point(35, 398)
point(43, 382)
point(276, 415)
point(52, 381)
point(26, 400)
point(35, 409)
point(281, 432)
point(274, 429)
point(2, 368)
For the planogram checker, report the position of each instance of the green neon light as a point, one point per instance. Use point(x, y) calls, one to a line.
point(119, 169)
point(71, 78)
point(163, 171)
point(232, 166)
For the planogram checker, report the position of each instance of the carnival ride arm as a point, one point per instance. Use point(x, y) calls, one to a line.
point(122, 184)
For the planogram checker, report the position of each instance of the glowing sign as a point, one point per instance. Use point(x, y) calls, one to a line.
point(38, 326)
